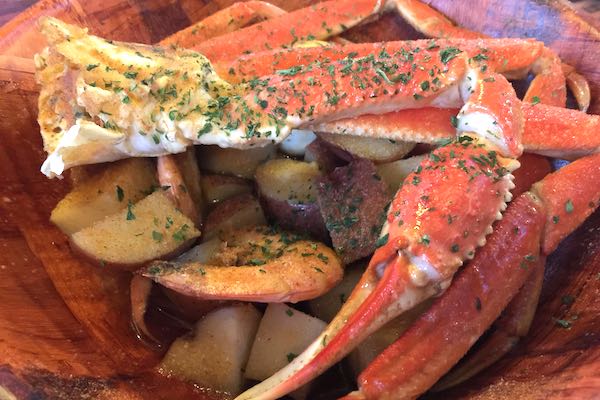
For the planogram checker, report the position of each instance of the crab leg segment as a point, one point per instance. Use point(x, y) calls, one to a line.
point(513, 324)
point(414, 362)
point(230, 19)
point(498, 55)
point(550, 131)
point(316, 22)
point(516, 318)
point(569, 195)
point(431, 228)
point(431, 22)
point(420, 357)
point(548, 85)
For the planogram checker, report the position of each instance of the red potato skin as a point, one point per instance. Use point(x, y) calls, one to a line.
point(300, 218)
point(420, 355)
point(353, 201)
point(224, 209)
point(327, 156)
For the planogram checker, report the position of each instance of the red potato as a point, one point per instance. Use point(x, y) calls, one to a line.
point(217, 188)
point(288, 192)
point(353, 200)
point(150, 229)
point(374, 149)
point(236, 162)
point(232, 214)
point(327, 156)
point(104, 193)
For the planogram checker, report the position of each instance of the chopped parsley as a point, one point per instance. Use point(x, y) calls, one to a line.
point(569, 206)
point(130, 214)
point(382, 240)
point(120, 193)
point(448, 54)
point(157, 236)
point(180, 234)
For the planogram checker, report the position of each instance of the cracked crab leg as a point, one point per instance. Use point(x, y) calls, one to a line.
point(185, 102)
point(419, 255)
point(533, 222)
point(548, 130)
point(317, 22)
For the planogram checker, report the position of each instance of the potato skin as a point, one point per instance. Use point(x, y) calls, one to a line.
point(216, 188)
point(301, 218)
point(353, 201)
point(374, 149)
point(288, 190)
point(232, 214)
point(155, 230)
point(326, 155)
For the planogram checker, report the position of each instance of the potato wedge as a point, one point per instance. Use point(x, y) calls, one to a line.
point(288, 192)
point(150, 229)
point(217, 353)
point(283, 333)
point(394, 173)
point(229, 161)
point(105, 193)
point(217, 188)
point(353, 201)
point(231, 214)
point(374, 149)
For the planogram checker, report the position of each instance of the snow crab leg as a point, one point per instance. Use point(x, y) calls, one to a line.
point(548, 86)
point(230, 19)
point(533, 226)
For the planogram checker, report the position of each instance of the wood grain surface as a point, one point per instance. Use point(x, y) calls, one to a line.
point(64, 325)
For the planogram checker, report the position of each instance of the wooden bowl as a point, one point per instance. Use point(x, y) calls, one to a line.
point(64, 324)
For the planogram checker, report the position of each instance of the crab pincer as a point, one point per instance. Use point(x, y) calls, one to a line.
point(530, 230)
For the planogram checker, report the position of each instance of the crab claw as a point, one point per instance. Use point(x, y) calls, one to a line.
point(430, 230)
point(479, 293)
point(531, 225)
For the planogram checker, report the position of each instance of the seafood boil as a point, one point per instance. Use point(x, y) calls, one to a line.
point(462, 219)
